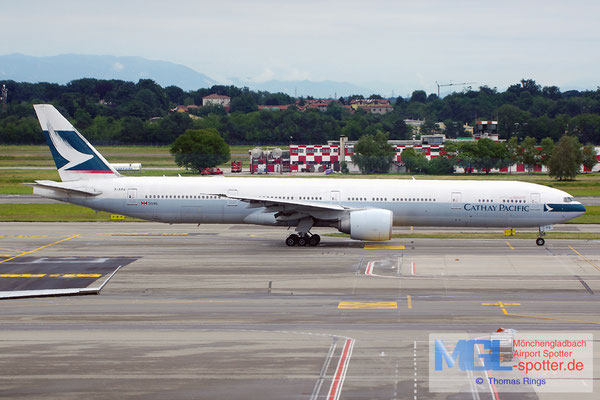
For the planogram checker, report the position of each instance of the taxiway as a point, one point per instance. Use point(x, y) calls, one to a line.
point(230, 312)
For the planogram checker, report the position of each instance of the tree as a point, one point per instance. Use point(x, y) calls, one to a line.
point(529, 153)
point(244, 103)
point(586, 127)
point(414, 161)
point(513, 151)
point(373, 154)
point(547, 149)
point(483, 155)
point(454, 129)
point(200, 148)
point(440, 165)
point(590, 157)
point(429, 126)
point(489, 154)
point(419, 96)
point(510, 120)
point(566, 159)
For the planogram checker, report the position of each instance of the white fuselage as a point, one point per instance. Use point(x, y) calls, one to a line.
point(412, 202)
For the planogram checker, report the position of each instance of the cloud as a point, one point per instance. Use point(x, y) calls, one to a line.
point(266, 75)
point(117, 66)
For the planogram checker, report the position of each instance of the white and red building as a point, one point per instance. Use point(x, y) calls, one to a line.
point(216, 100)
point(315, 158)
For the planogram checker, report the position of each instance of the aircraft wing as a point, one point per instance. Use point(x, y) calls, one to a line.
point(288, 209)
point(297, 204)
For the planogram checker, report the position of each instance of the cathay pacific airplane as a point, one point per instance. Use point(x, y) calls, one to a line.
point(364, 208)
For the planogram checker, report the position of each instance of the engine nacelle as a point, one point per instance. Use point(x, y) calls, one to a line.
point(374, 224)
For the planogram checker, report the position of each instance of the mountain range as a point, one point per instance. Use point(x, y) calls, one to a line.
point(67, 67)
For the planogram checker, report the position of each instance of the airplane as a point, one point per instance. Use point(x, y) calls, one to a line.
point(366, 209)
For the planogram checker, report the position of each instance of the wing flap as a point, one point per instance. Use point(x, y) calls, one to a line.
point(287, 203)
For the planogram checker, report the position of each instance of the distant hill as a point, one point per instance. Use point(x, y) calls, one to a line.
point(322, 89)
point(65, 68)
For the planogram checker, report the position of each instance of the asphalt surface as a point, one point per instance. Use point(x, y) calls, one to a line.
point(230, 312)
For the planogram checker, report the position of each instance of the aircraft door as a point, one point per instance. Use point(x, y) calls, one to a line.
point(535, 201)
point(131, 197)
point(335, 196)
point(456, 196)
point(232, 202)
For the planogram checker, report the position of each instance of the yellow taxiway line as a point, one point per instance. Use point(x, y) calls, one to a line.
point(585, 258)
point(501, 304)
point(368, 304)
point(384, 246)
point(39, 248)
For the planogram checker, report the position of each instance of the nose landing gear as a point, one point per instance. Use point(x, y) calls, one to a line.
point(542, 232)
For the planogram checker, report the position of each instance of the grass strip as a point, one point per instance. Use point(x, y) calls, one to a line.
point(53, 213)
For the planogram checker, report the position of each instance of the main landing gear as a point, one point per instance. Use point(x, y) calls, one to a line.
point(303, 239)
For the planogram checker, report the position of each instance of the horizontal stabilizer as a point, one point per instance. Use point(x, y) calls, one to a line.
point(67, 187)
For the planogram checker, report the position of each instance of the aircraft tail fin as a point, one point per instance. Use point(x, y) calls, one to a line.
point(74, 156)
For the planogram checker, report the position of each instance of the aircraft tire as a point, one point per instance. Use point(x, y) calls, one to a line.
point(291, 240)
point(314, 240)
point(540, 241)
point(302, 241)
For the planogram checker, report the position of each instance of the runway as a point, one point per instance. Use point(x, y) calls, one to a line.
point(230, 312)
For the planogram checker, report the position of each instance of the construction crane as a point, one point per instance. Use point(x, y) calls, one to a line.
point(439, 85)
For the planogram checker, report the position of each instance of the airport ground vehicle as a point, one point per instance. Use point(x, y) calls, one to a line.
point(236, 166)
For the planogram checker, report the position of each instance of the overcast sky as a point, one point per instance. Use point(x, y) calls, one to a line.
point(384, 45)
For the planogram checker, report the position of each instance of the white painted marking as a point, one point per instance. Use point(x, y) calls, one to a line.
point(340, 373)
point(369, 270)
point(415, 366)
point(317, 388)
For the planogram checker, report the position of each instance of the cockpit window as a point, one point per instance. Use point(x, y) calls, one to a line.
point(568, 199)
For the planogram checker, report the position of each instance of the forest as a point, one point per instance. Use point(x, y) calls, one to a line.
point(120, 112)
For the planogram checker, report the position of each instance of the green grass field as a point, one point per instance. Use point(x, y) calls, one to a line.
point(159, 157)
point(52, 213)
point(149, 156)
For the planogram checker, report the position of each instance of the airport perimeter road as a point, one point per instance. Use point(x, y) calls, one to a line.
point(230, 312)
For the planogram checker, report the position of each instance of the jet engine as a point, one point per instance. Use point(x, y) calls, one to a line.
point(373, 224)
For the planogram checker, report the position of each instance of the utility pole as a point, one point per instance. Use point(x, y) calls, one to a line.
point(439, 85)
point(3, 97)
